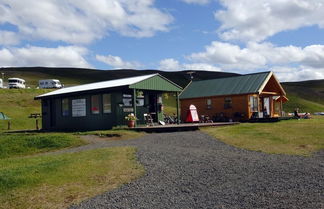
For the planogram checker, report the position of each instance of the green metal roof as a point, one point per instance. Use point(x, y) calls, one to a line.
point(3, 116)
point(158, 83)
point(245, 84)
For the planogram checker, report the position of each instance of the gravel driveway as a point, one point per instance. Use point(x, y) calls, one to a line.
point(193, 170)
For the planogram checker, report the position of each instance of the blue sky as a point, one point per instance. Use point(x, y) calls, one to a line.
point(242, 36)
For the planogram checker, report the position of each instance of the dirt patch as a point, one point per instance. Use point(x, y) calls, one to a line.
point(100, 138)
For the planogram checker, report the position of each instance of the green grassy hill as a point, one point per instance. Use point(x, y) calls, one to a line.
point(306, 95)
point(18, 104)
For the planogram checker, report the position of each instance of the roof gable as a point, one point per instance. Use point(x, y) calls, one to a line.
point(245, 84)
point(157, 82)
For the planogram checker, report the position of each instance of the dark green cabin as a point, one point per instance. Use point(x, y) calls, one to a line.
point(103, 105)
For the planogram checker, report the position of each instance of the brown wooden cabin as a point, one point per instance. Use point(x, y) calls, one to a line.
point(238, 98)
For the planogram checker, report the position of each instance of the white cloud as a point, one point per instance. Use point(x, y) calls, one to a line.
point(174, 65)
point(201, 2)
point(262, 56)
point(8, 38)
point(117, 62)
point(248, 20)
point(229, 56)
point(62, 56)
point(75, 21)
point(285, 74)
point(200, 66)
point(170, 65)
point(257, 55)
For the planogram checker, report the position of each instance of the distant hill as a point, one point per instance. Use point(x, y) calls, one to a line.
point(307, 95)
point(74, 76)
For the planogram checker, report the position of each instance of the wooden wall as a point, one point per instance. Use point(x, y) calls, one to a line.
point(240, 104)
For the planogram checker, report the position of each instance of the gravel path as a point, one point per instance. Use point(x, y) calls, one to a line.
point(193, 170)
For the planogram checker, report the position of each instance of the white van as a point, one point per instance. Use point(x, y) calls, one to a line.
point(49, 84)
point(16, 83)
point(1, 83)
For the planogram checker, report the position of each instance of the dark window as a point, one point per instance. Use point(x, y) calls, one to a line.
point(65, 107)
point(140, 101)
point(209, 103)
point(227, 103)
point(253, 103)
point(95, 104)
point(106, 103)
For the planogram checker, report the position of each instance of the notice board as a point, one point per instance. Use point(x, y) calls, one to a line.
point(79, 108)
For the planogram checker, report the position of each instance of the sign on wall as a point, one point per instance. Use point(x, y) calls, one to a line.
point(128, 109)
point(79, 108)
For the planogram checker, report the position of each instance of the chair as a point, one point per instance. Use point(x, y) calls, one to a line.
point(148, 119)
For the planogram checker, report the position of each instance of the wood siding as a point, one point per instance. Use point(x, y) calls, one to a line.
point(239, 105)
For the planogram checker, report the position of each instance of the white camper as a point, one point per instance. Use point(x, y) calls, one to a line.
point(16, 83)
point(49, 84)
point(1, 83)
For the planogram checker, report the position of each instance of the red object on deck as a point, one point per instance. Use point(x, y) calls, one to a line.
point(192, 115)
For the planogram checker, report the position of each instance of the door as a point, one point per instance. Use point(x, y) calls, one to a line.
point(153, 106)
point(266, 106)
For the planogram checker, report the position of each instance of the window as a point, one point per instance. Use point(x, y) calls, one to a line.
point(140, 100)
point(228, 103)
point(209, 103)
point(79, 107)
point(127, 100)
point(65, 107)
point(253, 104)
point(95, 104)
point(106, 103)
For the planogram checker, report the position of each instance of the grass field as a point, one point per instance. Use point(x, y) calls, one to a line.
point(294, 137)
point(57, 181)
point(18, 104)
point(303, 105)
point(29, 179)
point(12, 145)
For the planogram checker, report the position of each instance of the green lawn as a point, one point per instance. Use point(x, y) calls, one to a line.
point(12, 145)
point(294, 137)
point(31, 180)
point(57, 181)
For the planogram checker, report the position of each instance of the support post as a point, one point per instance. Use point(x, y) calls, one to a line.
point(134, 105)
point(178, 111)
point(281, 107)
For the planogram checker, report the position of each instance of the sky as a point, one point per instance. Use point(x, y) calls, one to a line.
point(241, 36)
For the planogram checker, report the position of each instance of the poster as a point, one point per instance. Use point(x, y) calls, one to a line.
point(79, 107)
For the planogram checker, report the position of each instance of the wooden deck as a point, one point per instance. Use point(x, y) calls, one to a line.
point(180, 127)
point(268, 120)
